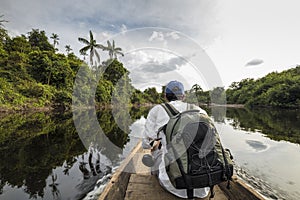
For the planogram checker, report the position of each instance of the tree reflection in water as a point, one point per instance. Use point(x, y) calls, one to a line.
point(277, 124)
point(34, 147)
point(38, 149)
point(69, 165)
point(54, 189)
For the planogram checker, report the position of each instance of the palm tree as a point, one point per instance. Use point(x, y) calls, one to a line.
point(92, 46)
point(55, 39)
point(112, 50)
point(198, 90)
point(68, 49)
point(54, 188)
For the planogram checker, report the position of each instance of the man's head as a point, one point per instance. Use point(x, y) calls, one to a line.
point(174, 91)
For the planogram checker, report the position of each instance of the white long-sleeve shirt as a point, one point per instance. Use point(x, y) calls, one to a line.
point(157, 118)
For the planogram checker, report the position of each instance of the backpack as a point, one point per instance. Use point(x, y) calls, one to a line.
point(195, 157)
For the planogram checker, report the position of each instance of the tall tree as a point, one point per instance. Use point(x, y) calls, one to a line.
point(113, 51)
point(218, 95)
point(2, 21)
point(114, 71)
point(198, 91)
point(55, 39)
point(68, 49)
point(19, 43)
point(3, 32)
point(197, 88)
point(38, 39)
point(92, 46)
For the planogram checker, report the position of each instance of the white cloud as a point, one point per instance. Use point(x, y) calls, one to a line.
point(71, 19)
point(243, 28)
point(123, 28)
point(103, 36)
point(174, 35)
point(156, 67)
point(156, 36)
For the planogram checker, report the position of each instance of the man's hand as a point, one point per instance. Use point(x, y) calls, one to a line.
point(156, 144)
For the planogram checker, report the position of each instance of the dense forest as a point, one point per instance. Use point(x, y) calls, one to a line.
point(35, 75)
point(275, 90)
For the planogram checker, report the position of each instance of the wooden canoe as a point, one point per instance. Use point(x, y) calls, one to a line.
point(142, 185)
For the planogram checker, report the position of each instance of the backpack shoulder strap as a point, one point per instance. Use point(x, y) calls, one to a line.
point(171, 110)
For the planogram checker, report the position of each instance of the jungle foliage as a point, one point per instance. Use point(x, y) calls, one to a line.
point(33, 74)
point(275, 90)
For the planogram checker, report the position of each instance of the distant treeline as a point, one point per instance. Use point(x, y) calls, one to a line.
point(275, 90)
point(33, 75)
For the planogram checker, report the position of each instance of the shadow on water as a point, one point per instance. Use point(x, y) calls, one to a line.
point(43, 157)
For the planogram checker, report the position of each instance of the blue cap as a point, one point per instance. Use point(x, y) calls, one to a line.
point(174, 87)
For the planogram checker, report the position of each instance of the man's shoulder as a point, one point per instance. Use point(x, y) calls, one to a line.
point(156, 108)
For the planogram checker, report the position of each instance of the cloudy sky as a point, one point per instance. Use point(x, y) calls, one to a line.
point(209, 42)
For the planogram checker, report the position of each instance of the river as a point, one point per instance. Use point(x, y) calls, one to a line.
point(45, 156)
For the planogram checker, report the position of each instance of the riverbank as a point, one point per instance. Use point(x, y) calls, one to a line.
point(16, 109)
point(62, 108)
point(227, 105)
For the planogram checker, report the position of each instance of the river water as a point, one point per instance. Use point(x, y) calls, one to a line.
point(44, 156)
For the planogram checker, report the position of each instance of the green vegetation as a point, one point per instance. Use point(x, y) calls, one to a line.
point(275, 89)
point(197, 95)
point(280, 90)
point(34, 75)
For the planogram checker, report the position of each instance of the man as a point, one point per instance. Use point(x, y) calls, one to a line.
point(157, 117)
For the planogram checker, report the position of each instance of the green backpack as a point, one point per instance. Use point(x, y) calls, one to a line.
point(195, 157)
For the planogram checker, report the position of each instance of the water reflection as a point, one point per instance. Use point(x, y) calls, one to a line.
point(43, 157)
point(257, 138)
point(277, 124)
point(54, 187)
point(93, 166)
point(31, 146)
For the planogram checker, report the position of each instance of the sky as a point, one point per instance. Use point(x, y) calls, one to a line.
point(208, 42)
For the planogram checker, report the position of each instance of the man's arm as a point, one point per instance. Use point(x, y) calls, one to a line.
point(156, 118)
point(149, 133)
